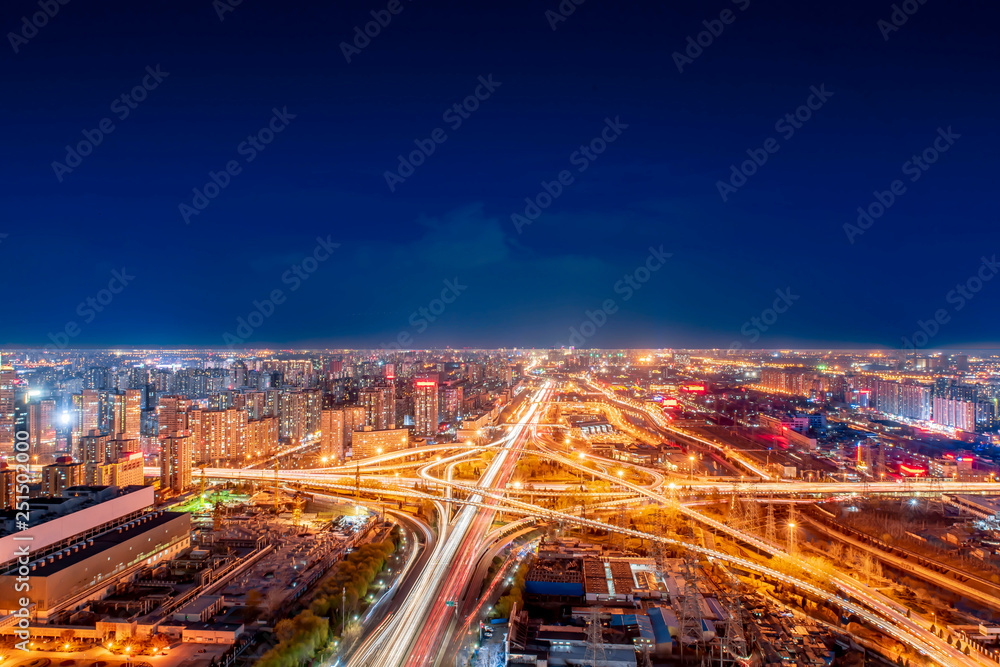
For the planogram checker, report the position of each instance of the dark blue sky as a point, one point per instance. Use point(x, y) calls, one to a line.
point(655, 185)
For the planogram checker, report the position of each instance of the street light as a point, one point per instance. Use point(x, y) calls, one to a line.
point(691, 468)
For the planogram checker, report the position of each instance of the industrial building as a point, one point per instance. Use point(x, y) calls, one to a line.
point(78, 555)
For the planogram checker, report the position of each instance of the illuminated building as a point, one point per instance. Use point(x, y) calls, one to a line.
point(332, 441)
point(126, 471)
point(451, 403)
point(8, 488)
point(85, 553)
point(299, 412)
point(354, 419)
point(117, 422)
point(42, 428)
point(425, 405)
point(57, 477)
point(262, 436)
point(90, 410)
point(370, 442)
point(964, 415)
point(172, 415)
point(7, 377)
point(379, 403)
point(94, 447)
point(175, 463)
point(132, 423)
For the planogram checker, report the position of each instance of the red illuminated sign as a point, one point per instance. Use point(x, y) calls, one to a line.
point(909, 470)
point(425, 383)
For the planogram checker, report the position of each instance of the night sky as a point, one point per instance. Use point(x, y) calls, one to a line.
point(605, 79)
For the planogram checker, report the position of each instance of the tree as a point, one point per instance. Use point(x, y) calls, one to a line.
point(67, 636)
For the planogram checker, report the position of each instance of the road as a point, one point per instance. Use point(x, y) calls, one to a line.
point(415, 635)
point(380, 614)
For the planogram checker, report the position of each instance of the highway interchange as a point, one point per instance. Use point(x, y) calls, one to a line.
point(429, 608)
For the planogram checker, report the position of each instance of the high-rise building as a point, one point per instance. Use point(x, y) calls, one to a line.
point(94, 447)
point(115, 449)
point(425, 405)
point(117, 406)
point(451, 403)
point(90, 410)
point(332, 440)
point(58, 477)
point(379, 403)
point(41, 426)
point(172, 415)
point(354, 419)
point(7, 377)
point(262, 437)
point(132, 427)
point(175, 463)
point(8, 488)
point(299, 412)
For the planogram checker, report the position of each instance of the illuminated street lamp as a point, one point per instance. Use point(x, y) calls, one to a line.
point(791, 537)
point(691, 468)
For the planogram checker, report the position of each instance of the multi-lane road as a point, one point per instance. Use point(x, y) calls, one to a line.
point(415, 625)
point(418, 632)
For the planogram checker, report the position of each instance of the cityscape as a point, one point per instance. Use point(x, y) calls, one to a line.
point(511, 506)
point(542, 333)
